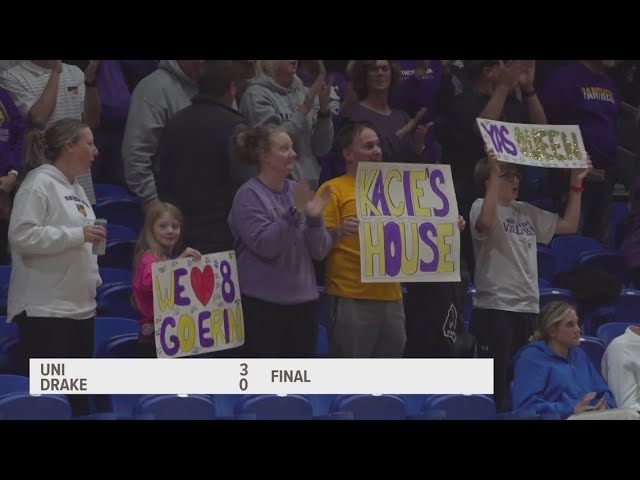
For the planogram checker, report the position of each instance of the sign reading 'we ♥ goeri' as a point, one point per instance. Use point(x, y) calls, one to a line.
point(196, 305)
point(551, 146)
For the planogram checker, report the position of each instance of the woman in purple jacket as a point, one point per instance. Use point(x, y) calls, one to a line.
point(278, 230)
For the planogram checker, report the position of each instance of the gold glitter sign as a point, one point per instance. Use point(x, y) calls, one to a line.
point(552, 146)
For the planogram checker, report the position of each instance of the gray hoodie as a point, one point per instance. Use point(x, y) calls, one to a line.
point(155, 100)
point(267, 103)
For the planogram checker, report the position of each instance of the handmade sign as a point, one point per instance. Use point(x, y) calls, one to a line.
point(196, 305)
point(552, 146)
point(408, 223)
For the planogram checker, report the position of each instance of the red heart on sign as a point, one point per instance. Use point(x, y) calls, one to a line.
point(202, 283)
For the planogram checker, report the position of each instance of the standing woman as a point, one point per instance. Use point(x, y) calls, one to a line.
point(54, 275)
point(278, 229)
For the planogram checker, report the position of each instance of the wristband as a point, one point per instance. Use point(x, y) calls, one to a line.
point(577, 189)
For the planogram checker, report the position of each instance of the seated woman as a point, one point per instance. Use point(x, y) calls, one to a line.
point(553, 374)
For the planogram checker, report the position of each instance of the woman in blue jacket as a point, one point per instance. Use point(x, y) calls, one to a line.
point(553, 375)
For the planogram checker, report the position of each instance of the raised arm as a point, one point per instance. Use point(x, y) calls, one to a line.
point(489, 211)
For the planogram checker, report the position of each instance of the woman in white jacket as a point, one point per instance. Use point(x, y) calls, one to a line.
point(54, 275)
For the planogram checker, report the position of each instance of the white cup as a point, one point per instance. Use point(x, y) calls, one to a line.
point(100, 247)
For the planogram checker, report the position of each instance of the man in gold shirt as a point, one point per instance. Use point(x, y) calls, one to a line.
point(366, 319)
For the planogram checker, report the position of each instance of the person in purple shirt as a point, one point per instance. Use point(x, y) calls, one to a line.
point(278, 230)
point(423, 85)
point(116, 80)
point(12, 127)
point(581, 93)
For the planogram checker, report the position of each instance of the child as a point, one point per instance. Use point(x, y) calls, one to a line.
point(159, 241)
point(505, 232)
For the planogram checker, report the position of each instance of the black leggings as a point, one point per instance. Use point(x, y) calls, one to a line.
point(47, 337)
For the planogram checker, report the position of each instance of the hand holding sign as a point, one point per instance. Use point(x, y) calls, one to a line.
point(191, 253)
point(350, 226)
point(578, 174)
point(494, 168)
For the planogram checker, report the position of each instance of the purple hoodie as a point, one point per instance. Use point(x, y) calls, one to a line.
point(12, 127)
point(275, 249)
point(574, 95)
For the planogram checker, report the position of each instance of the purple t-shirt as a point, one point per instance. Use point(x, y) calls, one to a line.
point(574, 95)
point(12, 127)
point(274, 248)
point(414, 93)
point(394, 149)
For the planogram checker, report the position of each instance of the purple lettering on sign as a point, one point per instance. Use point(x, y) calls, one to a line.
point(179, 300)
point(392, 261)
point(169, 350)
point(438, 175)
point(406, 184)
point(506, 143)
point(493, 133)
point(225, 322)
point(378, 198)
point(424, 230)
point(205, 342)
point(228, 288)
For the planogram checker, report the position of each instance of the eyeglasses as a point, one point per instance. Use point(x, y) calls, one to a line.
point(509, 176)
point(382, 68)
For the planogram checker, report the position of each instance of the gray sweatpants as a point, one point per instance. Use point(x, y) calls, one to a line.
point(366, 328)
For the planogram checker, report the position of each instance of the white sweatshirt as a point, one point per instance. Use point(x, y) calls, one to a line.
point(54, 273)
point(621, 369)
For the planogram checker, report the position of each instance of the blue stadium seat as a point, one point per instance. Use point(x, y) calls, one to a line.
point(175, 407)
point(611, 262)
point(371, 407)
point(609, 331)
point(115, 275)
point(115, 300)
point(568, 248)
point(106, 191)
point(462, 407)
point(554, 295)
point(121, 211)
point(107, 327)
point(13, 384)
point(118, 254)
point(594, 348)
point(546, 264)
point(274, 407)
point(627, 307)
point(118, 232)
point(22, 406)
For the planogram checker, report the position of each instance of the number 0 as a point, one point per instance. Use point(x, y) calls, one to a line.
point(244, 384)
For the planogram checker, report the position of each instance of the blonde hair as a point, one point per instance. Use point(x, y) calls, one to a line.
point(552, 314)
point(46, 145)
point(147, 241)
point(265, 67)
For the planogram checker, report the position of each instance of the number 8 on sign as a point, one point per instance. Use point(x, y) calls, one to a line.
point(244, 371)
point(227, 282)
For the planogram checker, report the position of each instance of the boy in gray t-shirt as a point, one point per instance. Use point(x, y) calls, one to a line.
point(505, 233)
